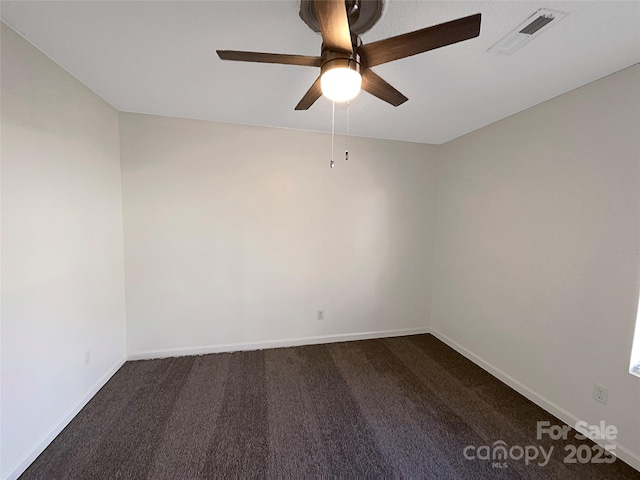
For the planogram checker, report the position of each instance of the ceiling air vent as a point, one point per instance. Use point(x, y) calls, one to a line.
point(535, 25)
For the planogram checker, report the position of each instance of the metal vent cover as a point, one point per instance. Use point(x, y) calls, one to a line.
point(537, 24)
point(531, 28)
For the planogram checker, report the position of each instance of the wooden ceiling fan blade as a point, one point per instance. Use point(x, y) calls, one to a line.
point(377, 87)
point(302, 60)
point(334, 25)
point(430, 38)
point(313, 94)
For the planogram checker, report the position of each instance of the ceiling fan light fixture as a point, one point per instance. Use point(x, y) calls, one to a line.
point(341, 84)
point(340, 80)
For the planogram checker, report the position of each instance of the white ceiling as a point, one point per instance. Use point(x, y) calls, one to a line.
point(158, 57)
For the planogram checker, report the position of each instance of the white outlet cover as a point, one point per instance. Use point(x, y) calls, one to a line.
point(600, 393)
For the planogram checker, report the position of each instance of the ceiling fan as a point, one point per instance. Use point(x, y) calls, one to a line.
point(345, 63)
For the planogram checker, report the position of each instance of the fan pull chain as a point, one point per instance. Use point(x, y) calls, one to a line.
point(333, 129)
point(346, 152)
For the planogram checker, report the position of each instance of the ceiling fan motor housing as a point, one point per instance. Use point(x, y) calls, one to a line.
point(363, 14)
point(331, 60)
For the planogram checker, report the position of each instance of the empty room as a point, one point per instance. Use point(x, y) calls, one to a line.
point(335, 238)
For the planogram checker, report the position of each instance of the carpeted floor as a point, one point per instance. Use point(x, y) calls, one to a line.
point(406, 406)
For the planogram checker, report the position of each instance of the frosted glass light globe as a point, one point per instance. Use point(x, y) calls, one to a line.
point(340, 84)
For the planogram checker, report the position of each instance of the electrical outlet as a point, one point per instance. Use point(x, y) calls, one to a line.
point(87, 357)
point(600, 394)
point(320, 315)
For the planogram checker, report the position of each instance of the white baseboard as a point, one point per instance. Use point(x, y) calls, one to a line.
point(290, 342)
point(44, 441)
point(567, 417)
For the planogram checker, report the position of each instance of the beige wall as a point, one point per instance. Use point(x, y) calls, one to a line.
point(537, 251)
point(236, 235)
point(62, 255)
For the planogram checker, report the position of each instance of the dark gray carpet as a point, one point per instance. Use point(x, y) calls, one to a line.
point(403, 406)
